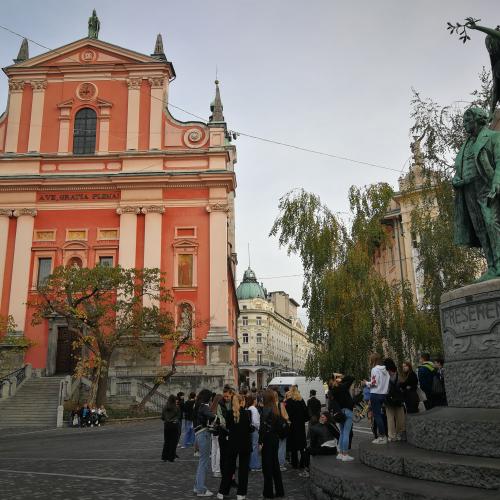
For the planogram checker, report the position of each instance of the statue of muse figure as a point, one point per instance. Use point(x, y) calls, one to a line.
point(94, 25)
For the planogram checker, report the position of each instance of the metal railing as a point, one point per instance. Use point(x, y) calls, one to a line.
point(158, 400)
point(12, 381)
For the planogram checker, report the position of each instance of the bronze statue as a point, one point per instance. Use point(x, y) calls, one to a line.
point(493, 46)
point(94, 25)
point(477, 189)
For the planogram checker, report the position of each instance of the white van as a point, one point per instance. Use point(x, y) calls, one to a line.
point(282, 384)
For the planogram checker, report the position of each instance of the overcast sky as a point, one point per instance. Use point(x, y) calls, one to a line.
point(334, 76)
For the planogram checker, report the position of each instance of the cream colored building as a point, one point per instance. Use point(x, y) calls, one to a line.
point(271, 337)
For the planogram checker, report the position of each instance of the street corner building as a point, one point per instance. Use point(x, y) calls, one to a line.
point(95, 170)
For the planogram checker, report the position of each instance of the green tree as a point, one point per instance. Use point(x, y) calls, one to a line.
point(352, 310)
point(438, 134)
point(104, 308)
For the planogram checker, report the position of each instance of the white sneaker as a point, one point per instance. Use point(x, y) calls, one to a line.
point(220, 496)
point(282, 468)
point(347, 458)
point(376, 441)
point(240, 497)
point(217, 474)
point(381, 440)
point(339, 456)
point(207, 493)
point(196, 454)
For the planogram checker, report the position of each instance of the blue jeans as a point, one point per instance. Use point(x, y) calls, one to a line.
point(376, 401)
point(204, 440)
point(345, 431)
point(188, 434)
point(282, 452)
point(254, 457)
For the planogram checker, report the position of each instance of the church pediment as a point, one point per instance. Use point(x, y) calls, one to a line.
point(86, 51)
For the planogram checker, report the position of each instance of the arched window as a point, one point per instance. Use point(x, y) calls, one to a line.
point(84, 132)
point(185, 319)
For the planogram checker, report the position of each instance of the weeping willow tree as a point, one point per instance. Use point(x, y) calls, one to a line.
point(438, 134)
point(352, 310)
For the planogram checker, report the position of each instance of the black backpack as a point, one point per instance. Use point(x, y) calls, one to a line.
point(437, 385)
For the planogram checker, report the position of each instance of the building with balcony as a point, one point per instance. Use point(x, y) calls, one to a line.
point(271, 337)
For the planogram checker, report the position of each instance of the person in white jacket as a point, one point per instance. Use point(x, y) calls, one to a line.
point(379, 387)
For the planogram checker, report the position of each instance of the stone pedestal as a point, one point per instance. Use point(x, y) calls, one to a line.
point(470, 324)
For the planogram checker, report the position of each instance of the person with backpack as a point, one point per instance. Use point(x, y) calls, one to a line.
point(297, 411)
point(188, 421)
point(438, 389)
point(394, 404)
point(239, 446)
point(426, 372)
point(342, 397)
point(270, 424)
point(283, 435)
point(203, 418)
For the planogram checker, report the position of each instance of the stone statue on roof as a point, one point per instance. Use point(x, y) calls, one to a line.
point(94, 25)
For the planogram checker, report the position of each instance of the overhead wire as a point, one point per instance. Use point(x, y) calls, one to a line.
point(231, 131)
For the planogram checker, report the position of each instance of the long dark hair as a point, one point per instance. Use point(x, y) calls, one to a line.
point(204, 396)
point(271, 401)
point(171, 402)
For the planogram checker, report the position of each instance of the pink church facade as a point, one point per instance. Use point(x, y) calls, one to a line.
point(94, 169)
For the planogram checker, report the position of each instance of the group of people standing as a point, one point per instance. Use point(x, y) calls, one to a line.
point(253, 430)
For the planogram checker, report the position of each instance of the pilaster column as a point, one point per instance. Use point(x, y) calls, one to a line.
point(16, 88)
point(152, 239)
point(218, 268)
point(134, 97)
point(157, 91)
point(39, 87)
point(5, 213)
point(128, 236)
point(21, 265)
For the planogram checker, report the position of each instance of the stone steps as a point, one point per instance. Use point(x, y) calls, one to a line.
point(332, 479)
point(33, 405)
point(406, 460)
point(463, 431)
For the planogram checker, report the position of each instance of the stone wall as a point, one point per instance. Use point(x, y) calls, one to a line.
point(11, 358)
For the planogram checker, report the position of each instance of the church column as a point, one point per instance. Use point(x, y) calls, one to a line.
point(35, 136)
point(152, 239)
point(16, 88)
point(21, 265)
point(5, 213)
point(134, 96)
point(155, 122)
point(128, 236)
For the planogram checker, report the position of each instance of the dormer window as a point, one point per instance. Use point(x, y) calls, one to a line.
point(84, 132)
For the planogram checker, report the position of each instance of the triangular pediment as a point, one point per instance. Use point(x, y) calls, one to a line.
point(86, 51)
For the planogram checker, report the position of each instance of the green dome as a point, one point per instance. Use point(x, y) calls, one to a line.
point(249, 288)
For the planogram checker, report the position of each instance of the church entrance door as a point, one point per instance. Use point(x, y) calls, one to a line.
point(65, 361)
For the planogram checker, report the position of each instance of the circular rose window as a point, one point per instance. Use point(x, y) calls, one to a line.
point(86, 91)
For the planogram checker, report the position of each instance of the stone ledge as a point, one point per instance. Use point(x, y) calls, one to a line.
point(463, 431)
point(331, 479)
point(406, 460)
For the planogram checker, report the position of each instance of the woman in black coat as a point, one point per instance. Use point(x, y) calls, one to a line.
point(170, 415)
point(269, 441)
point(239, 445)
point(409, 384)
point(298, 414)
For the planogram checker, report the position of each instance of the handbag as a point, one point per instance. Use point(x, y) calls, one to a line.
point(421, 395)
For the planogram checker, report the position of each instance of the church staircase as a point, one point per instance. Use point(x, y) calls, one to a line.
point(33, 405)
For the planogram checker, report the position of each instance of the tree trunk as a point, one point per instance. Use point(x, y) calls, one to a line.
point(139, 408)
point(102, 383)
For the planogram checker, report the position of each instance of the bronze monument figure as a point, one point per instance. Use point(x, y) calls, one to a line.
point(94, 25)
point(477, 189)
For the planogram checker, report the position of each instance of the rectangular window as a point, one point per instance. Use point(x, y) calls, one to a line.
point(244, 321)
point(259, 321)
point(245, 338)
point(185, 269)
point(245, 356)
point(105, 261)
point(244, 307)
point(259, 357)
point(259, 338)
point(44, 269)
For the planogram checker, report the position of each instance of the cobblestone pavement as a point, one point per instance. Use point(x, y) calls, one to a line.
point(114, 461)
